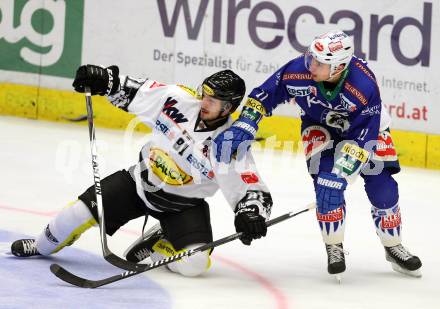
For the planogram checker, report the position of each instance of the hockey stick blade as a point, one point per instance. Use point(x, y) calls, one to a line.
point(67, 276)
point(75, 280)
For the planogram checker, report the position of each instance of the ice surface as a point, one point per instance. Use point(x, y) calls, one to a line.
point(45, 165)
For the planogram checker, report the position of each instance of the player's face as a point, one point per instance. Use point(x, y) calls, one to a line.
point(320, 71)
point(210, 108)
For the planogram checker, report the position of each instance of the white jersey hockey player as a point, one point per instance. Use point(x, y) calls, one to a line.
point(174, 176)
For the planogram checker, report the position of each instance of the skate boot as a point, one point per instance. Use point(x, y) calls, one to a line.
point(24, 248)
point(403, 261)
point(142, 247)
point(336, 260)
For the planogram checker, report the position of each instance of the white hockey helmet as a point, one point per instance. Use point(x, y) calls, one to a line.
point(333, 48)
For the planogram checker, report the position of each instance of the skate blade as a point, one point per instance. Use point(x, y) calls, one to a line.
point(413, 273)
point(338, 277)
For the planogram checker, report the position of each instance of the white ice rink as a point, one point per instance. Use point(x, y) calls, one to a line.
point(45, 165)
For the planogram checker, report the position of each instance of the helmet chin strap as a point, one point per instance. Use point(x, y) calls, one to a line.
point(333, 76)
point(225, 106)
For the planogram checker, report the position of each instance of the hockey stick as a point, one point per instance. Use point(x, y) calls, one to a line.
point(67, 276)
point(108, 255)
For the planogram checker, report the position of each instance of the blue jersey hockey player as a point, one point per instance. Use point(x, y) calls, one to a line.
point(345, 132)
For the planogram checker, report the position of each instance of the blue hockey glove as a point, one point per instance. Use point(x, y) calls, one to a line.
point(238, 137)
point(329, 192)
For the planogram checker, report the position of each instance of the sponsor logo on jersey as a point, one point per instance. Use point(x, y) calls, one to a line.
point(162, 127)
point(256, 105)
point(198, 165)
point(249, 177)
point(301, 91)
point(385, 150)
point(190, 91)
point(347, 104)
point(313, 100)
point(350, 88)
point(371, 110)
point(171, 111)
point(206, 145)
point(338, 120)
point(164, 167)
point(314, 139)
point(366, 72)
point(355, 152)
point(156, 84)
point(347, 166)
point(297, 76)
point(332, 216)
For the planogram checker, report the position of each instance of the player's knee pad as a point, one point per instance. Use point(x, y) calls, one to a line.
point(190, 266)
point(382, 190)
point(65, 228)
point(388, 225)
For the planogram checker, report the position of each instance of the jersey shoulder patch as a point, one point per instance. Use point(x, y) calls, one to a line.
point(191, 91)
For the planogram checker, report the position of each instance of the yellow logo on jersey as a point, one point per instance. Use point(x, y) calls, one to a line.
point(190, 91)
point(164, 167)
point(254, 104)
point(355, 152)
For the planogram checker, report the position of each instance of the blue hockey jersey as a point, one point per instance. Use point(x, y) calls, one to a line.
point(353, 109)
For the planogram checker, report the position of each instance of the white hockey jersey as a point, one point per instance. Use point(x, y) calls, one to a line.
point(178, 159)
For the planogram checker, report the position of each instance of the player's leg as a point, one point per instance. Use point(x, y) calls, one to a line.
point(319, 143)
point(383, 193)
point(177, 232)
point(186, 230)
point(120, 202)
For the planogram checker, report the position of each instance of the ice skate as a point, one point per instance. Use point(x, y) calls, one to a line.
point(403, 261)
point(336, 260)
point(142, 247)
point(24, 248)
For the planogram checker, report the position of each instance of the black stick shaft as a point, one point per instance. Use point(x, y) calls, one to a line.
point(67, 276)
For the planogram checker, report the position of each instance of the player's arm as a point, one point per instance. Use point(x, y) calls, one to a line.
point(141, 97)
point(119, 89)
point(261, 101)
point(247, 195)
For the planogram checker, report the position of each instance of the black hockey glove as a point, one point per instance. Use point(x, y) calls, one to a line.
point(102, 81)
point(251, 214)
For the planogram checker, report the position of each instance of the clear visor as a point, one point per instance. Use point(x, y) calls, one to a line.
point(310, 60)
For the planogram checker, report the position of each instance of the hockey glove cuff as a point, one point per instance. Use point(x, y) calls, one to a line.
point(329, 192)
point(251, 215)
point(235, 140)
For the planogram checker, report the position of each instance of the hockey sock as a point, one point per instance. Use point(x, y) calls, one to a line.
point(388, 225)
point(65, 228)
point(188, 266)
point(332, 225)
